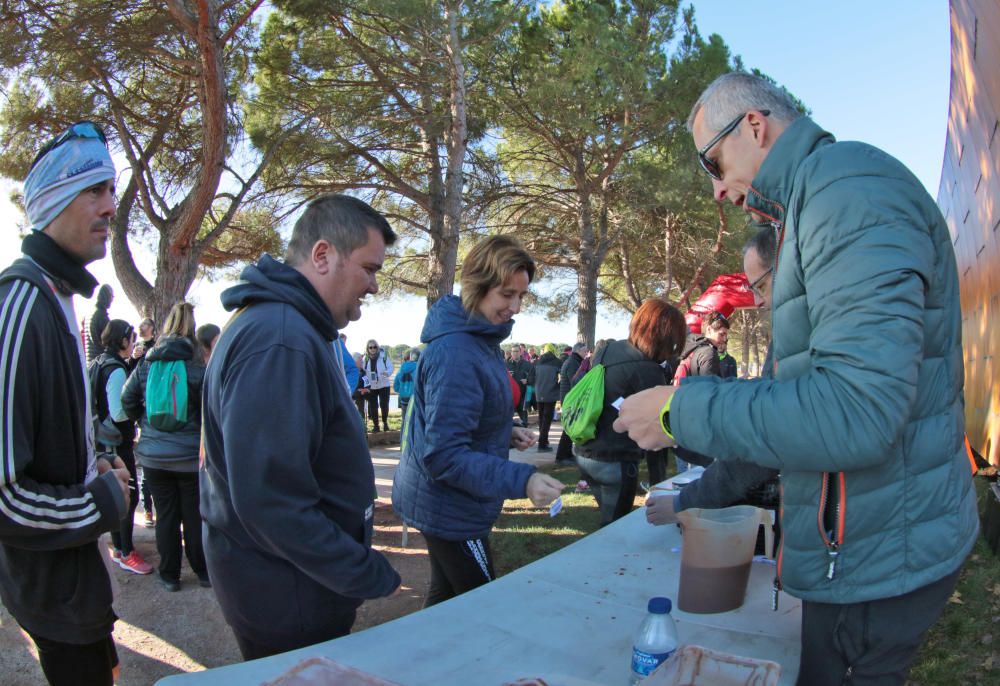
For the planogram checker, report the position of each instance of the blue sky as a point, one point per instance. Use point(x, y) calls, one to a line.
point(876, 71)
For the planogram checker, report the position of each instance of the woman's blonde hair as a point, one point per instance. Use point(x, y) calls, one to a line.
point(489, 264)
point(180, 321)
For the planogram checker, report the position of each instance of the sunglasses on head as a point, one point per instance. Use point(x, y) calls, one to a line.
point(81, 129)
point(711, 166)
point(717, 318)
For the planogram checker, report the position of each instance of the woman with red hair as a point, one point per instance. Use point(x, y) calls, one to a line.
point(610, 461)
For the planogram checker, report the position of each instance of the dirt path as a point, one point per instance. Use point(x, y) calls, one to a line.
point(161, 633)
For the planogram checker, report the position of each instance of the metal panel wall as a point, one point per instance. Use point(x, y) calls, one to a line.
point(969, 197)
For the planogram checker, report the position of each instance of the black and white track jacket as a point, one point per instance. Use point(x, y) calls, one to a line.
point(52, 577)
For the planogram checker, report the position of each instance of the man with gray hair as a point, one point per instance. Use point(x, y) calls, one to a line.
point(865, 415)
point(287, 486)
point(56, 495)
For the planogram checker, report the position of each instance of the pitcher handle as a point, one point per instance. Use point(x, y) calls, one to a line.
point(764, 518)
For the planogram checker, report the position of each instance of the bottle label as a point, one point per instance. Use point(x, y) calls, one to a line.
point(644, 663)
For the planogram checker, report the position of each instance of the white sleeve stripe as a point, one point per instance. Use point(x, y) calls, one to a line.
point(11, 331)
point(13, 498)
point(36, 524)
point(26, 508)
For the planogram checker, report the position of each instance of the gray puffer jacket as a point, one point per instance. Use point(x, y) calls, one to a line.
point(865, 417)
point(175, 451)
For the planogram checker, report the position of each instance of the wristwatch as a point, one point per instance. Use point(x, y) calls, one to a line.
point(665, 417)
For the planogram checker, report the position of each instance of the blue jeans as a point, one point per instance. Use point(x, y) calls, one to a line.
point(613, 485)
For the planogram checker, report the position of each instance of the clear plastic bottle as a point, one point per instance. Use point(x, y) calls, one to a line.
point(656, 640)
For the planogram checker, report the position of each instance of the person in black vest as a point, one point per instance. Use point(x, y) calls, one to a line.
point(118, 339)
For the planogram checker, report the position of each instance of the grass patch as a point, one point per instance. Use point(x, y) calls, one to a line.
point(524, 533)
point(962, 647)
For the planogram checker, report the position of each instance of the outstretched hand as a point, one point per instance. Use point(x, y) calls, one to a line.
point(639, 415)
point(543, 489)
point(661, 509)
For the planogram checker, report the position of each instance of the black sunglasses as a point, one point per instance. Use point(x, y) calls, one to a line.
point(81, 129)
point(710, 166)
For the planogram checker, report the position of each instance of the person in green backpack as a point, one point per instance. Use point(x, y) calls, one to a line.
point(610, 461)
point(164, 394)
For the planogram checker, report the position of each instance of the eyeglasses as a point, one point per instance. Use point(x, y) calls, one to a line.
point(711, 166)
point(755, 286)
point(81, 129)
point(373, 347)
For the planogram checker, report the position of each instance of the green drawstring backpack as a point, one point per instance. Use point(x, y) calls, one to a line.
point(167, 395)
point(583, 405)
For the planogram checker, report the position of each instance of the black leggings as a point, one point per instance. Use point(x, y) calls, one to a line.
point(379, 399)
point(545, 413)
point(457, 567)
point(69, 664)
point(122, 538)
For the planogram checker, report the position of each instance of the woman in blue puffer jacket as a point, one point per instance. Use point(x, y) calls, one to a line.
point(454, 473)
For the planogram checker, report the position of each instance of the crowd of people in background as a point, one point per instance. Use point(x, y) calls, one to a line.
point(258, 466)
point(162, 460)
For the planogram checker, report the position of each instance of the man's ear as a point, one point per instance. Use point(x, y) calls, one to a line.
point(323, 256)
point(759, 125)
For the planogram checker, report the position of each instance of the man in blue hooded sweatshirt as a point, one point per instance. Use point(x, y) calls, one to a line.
point(287, 487)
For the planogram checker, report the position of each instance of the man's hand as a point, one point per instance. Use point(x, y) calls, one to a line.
point(522, 439)
point(639, 415)
point(543, 489)
point(660, 509)
point(120, 472)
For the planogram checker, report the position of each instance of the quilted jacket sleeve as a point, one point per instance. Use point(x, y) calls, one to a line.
point(866, 259)
point(454, 404)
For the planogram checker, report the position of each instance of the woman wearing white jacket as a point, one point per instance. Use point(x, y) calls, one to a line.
point(378, 370)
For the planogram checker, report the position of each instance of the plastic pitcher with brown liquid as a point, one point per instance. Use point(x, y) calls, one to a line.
point(716, 553)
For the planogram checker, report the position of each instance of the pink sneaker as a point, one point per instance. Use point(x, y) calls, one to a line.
point(135, 564)
point(116, 554)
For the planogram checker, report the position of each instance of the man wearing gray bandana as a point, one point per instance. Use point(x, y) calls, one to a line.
point(56, 496)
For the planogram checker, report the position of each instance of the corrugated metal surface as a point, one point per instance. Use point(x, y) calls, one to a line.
point(969, 196)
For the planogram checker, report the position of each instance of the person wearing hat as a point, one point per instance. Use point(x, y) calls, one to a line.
point(546, 393)
point(56, 497)
point(98, 321)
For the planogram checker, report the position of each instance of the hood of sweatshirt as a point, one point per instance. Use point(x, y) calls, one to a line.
point(272, 281)
point(448, 316)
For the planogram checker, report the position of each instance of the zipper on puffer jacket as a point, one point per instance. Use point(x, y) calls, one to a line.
point(776, 586)
point(830, 518)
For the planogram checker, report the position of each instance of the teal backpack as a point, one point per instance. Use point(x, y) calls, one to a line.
point(583, 405)
point(167, 395)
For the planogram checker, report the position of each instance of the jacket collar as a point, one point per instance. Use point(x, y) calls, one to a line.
point(769, 192)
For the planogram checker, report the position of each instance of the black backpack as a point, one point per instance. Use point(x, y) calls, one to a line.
point(98, 371)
